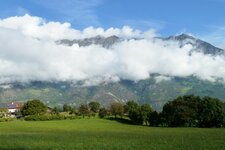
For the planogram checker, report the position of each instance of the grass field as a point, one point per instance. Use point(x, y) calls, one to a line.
point(104, 134)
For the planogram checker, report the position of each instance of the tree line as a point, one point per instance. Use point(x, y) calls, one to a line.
point(184, 111)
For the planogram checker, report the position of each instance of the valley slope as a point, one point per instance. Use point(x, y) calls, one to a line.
point(145, 91)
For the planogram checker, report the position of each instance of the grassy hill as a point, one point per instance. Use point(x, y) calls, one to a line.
point(104, 134)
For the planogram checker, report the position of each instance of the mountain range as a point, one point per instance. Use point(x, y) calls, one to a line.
point(156, 90)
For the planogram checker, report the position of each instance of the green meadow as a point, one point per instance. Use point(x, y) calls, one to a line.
point(103, 134)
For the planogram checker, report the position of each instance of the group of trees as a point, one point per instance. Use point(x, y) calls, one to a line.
point(90, 109)
point(184, 111)
point(194, 111)
point(36, 107)
point(138, 114)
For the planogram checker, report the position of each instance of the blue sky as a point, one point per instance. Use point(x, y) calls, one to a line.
point(203, 18)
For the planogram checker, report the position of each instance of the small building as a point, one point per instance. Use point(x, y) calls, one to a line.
point(12, 107)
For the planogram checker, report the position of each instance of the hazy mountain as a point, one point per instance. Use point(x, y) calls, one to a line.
point(156, 90)
point(145, 91)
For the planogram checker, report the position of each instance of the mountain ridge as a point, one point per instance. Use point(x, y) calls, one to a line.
point(183, 39)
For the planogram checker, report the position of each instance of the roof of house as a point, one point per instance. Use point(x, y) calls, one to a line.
point(12, 105)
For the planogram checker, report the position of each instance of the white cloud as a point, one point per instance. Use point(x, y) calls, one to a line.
point(28, 52)
point(41, 29)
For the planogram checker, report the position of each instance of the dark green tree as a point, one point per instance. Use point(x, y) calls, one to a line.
point(193, 111)
point(211, 113)
point(154, 119)
point(33, 107)
point(130, 106)
point(94, 106)
point(133, 111)
point(183, 111)
point(145, 111)
point(135, 116)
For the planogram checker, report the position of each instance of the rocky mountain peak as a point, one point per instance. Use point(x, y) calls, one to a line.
point(182, 37)
point(199, 45)
point(105, 42)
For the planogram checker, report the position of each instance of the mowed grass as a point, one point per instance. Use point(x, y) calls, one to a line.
point(104, 134)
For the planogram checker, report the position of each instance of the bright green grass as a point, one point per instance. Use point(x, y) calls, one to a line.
point(104, 134)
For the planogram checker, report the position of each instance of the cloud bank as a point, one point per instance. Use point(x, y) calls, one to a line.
point(28, 52)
